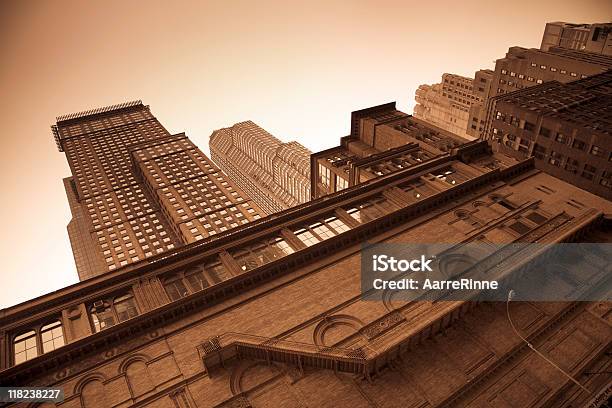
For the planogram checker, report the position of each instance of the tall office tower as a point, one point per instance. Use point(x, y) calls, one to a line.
point(447, 104)
point(274, 174)
point(138, 191)
point(382, 140)
point(287, 324)
point(566, 127)
point(523, 68)
point(595, 37)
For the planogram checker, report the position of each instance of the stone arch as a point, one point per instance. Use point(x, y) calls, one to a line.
point(137, 374)
point(335, 322)
point(452, 265)
point(248, 374)
point(91, 391)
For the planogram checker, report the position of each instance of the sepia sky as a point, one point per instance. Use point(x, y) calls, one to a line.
point(297, 70)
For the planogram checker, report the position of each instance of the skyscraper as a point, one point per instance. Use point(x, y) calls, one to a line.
point(595, 37)
point(274, 174)
point(526, 67)
point(447, 104)
point(138, 191)
point(383, 140)
point(566, 127)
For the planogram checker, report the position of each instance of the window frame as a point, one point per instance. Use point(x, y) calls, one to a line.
point(37, 331)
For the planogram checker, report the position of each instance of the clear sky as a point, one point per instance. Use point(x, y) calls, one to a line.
point(296, 70)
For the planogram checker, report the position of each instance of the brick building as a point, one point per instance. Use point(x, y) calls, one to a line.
point(566, 127)
point(595, 38)
point(382, 140)
point(447, 104)
point(525, 67)
point(270, 313)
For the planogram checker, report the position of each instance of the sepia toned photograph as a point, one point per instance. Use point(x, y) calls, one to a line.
point(360, 204)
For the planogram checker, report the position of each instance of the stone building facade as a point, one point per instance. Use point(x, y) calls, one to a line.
point(382, 140)
point(447, 105)
point(270, 313)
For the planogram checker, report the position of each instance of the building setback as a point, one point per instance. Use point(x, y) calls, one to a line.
point(271, 312)
point(382, 140)
point(595, 38)
point(137, 191)
point(566, 127)
point(525, 67)
point(274, 174)
point(447, 104)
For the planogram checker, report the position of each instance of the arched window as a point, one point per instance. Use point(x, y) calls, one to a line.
point(40, 339)
point(25, 346)
point(52, 336)
point(108, 312)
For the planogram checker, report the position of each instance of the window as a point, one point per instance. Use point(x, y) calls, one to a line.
point(25, 347)
point(544, 131)
point(324, 175)
point(555, 158)
point(530, 79)
point(322, 231)
point(533, 64)
point(597, 151)
point(306, 237)
point(579, 144)
point(589, 172)
point(539, 151)
point(553, 69)
point(561, 138)
point(539, 81)
point(40, 339)
point(504, 72)
point(573, 74)
point(529, 126)
point(337, 225)
point(341, 183)
point(52, 336)
point(572, 166)
point(542, 66)
point(175, 288)
point(563, 71)
point(606, 179)
point(111, 311)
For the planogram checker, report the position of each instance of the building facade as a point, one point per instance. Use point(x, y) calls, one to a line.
point(447, 104)
point(382, 140)
point(274, 174)
point(567, 128)
point(137, 191)
point(595, 38)
point(522, 68)
point(271, 314)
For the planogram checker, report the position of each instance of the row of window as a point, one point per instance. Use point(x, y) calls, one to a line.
point(543, 67)
point(112, 310)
